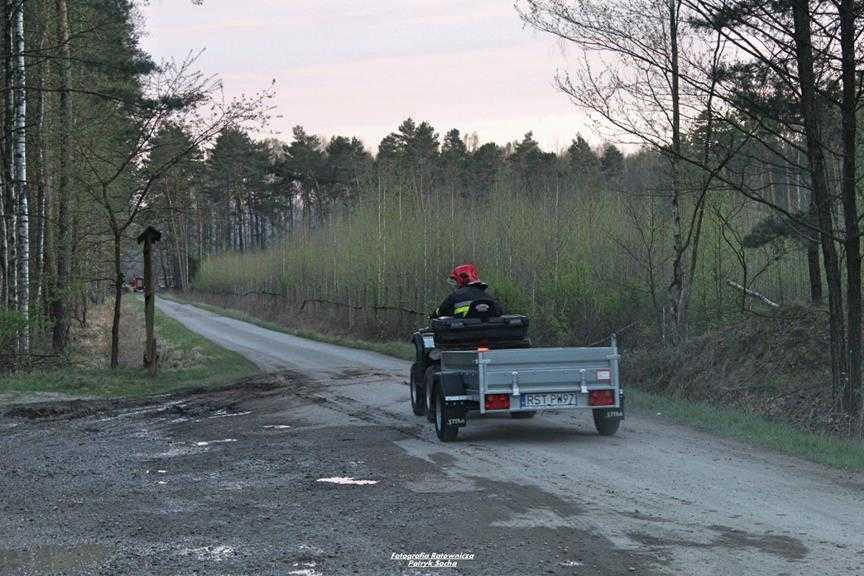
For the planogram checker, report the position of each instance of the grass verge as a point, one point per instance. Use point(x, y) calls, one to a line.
point(402, 350)
point(751, 429)
point(186, 360)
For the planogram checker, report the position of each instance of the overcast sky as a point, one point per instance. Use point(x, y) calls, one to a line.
point(359, 67)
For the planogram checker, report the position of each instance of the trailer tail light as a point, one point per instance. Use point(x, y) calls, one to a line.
point(498, 402)
point(601, 398)
point(604, 376)
point(483, 349)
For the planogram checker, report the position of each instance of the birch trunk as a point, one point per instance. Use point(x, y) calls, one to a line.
point(677, 288)
point(8, 160)
point(21, 179)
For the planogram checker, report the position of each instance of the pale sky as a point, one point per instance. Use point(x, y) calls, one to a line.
point(360, 67)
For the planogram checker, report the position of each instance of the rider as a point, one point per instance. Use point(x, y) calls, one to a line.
point(469, 288)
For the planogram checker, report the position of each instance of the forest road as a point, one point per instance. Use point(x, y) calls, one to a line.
point(318, 468)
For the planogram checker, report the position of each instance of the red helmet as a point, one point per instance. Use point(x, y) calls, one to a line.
point(465, 274)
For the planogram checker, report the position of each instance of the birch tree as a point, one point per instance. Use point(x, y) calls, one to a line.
point(20, 162)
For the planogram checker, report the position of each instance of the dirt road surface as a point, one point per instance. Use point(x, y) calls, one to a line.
point(232, 482)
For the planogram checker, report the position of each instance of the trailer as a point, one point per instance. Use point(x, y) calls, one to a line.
point(473, 368)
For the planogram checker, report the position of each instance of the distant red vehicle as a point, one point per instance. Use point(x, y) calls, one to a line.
point(137, 284)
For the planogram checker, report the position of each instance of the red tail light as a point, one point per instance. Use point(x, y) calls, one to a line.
point(604, 376)
point(601, 398)
point(497, 402)
point(482, 349)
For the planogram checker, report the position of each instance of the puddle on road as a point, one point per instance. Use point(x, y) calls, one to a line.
point(308, 570)
point(215, 442)
point(345, 480)
point(51, 559)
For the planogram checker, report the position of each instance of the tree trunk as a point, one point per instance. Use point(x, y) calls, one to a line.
point(62, 244)
point(813, 265)
point(677, 287)
point(4, 251)
point(9, 158)
point(41, 187)
point(849, 195)
point(21, 179)
point(822, 200)
point(118, 300)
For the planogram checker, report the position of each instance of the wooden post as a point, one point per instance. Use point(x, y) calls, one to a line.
point(149, 237)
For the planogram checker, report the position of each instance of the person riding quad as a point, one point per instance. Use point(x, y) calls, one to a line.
point(469, 289)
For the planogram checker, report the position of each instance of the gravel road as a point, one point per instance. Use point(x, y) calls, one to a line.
point(318, 468)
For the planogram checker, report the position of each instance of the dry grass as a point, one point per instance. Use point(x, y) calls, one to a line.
point(186, 360)
point(777, 367)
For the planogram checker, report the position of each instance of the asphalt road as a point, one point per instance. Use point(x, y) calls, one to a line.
point(230, 482)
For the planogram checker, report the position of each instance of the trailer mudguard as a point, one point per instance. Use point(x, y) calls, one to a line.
point(613, 413)
point(452, 384)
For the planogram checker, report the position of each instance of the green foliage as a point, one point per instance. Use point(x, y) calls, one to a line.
point(568, 256)
point(11, 325)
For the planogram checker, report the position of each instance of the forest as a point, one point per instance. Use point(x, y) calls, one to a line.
point(737, 194)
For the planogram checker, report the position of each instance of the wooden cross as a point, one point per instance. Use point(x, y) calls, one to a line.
point(149, 237)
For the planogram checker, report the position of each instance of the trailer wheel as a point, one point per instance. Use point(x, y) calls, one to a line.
point(428, 389)
point(446, 432)
point(522, 415)
point(605, 426)
point(418, 394)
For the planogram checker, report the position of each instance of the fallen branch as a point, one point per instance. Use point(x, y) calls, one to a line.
point(753, 294)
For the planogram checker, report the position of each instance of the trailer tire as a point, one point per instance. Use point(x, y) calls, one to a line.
point(446, 432)
point(522, 415)
point(418, 393)
point(605, 426)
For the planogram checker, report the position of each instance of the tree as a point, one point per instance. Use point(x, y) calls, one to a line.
point(583, 165)
point(611, 162)
point(63, 245)
point(636, 88)
point(20, 174)
point(782, 79)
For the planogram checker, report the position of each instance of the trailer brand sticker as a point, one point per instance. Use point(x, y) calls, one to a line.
point(550, 400)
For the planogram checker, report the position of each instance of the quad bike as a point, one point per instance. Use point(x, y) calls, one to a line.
point(483, 363)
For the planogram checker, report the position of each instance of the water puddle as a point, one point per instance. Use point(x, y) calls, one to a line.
point(346, 480)
point(307, 570)
point(215, 442)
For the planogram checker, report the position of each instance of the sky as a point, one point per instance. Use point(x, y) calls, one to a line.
point(360, 67)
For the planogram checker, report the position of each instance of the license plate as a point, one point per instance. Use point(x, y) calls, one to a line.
point(550, 399)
